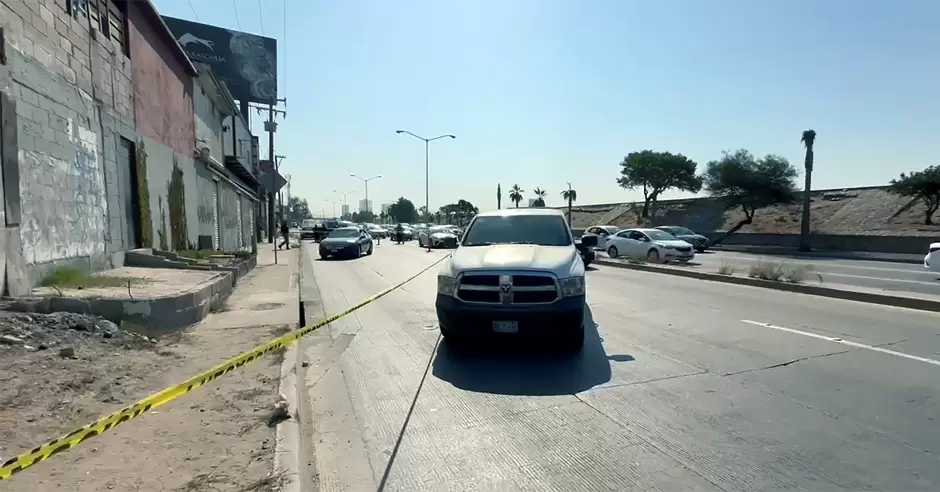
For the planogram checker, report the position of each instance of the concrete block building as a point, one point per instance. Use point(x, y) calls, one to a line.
point(98, 141)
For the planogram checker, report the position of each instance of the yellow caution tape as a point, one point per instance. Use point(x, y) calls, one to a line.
point(76, 437)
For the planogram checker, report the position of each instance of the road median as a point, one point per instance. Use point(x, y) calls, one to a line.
point(909, 300)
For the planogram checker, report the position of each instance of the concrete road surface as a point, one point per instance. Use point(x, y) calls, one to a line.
point(872, 274)
point(682, 385)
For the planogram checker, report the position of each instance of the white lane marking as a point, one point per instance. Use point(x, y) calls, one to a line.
point(818, 261)
point(845, 342)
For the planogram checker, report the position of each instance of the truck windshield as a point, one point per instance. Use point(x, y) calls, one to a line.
point(543, 230)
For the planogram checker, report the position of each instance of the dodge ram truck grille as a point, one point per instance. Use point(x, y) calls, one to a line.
point(518, 289)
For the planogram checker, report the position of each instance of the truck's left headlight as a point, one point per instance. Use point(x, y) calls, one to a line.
point(571, 286)
point(446, 285)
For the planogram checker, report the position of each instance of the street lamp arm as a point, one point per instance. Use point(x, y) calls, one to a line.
point(419, 137)
point(442, 136)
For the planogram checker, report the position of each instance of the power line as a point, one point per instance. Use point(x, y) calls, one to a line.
point(261, 16)
point(235, 8)
point(193, 9)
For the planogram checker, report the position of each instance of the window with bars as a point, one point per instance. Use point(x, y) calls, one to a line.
point(109, 16)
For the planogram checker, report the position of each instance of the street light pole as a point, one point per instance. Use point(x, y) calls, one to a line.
point(427, 166)
point(366, 181)
point(334, 205)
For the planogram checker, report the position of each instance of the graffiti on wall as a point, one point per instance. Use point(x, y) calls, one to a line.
point(64, 203)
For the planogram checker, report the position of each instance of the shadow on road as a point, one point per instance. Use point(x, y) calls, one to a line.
point(514, 367)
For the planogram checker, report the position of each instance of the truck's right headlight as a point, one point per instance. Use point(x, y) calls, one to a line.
point(571, 286)
point(446, 285)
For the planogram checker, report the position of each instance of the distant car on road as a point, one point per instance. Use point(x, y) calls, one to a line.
point(308, 229)
point(698, 241)
point(376, 230)
point(516, 271)
point(346, 242)
point(932, 260)
point(653, 245)
point(437, 237)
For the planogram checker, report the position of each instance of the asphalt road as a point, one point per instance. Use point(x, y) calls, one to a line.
point(681, 385)
point(889, 276)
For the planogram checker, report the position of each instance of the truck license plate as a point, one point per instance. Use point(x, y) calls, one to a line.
point(506, 326)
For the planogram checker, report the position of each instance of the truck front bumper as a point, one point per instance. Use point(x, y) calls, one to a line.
point(560, 318)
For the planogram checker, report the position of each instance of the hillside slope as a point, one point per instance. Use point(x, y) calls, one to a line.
point(853, 211)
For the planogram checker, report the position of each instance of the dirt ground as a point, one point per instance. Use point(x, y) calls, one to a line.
point(61, 371)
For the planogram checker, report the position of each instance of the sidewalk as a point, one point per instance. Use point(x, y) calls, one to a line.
point(218, 437)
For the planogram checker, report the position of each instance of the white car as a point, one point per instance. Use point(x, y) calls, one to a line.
point(601, 233)
point(653, 245)
point(516, 271)
point(437, 237)
point(376, 230)
point(932, 260)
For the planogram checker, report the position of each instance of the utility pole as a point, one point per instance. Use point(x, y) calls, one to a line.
point(808, 140)
point(345, 206)
point(427, 169)
point(270, 126)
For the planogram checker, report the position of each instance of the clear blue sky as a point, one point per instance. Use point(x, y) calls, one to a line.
point(540, 92)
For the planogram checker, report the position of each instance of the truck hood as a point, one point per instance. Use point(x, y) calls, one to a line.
point(559, 260)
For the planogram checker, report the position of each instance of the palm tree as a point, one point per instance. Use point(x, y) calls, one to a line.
point(515, 194)
point(808, 139)
point(539, 197)
point(571, 196)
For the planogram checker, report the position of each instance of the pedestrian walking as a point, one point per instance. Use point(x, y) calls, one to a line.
point(285, 231)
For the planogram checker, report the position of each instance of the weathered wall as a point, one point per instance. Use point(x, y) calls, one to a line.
point(237, 143)
point(160, 162)
point(163, 99)
point(163, 90)
point(208, 122)
point(231, 222)
point(73, 100)
point(204, 204)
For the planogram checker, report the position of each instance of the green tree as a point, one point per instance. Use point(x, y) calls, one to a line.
point(403, 210)
point(539, 197)
point(923, 185)
point(657, 172)
point(570, 195)
point(515, 194)
point(363, 216)
point(750, 183)
point(298, 210)
point(463, 212)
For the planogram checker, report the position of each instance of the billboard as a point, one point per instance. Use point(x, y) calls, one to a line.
point(247, 63)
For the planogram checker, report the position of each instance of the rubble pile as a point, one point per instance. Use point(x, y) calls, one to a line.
point(36, 331)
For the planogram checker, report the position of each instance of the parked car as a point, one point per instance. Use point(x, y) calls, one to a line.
point(653, 245)
point(437, 237)
point(346, 242)
point(932, 260)
point(698, 241)
point(308, 228)
point(599, 235)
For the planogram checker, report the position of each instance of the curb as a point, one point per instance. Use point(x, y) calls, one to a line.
point(816, 255)
point(917, 303)
point(154, 316)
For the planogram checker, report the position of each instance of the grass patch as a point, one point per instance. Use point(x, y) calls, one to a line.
point(780, 272)
point(73, 278)
point(727, 268)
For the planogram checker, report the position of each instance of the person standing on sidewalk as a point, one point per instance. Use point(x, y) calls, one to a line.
point(285, 231)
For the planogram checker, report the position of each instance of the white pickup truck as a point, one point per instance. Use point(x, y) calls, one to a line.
point(515, 271)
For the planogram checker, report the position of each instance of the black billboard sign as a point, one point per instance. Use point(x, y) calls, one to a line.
point(247, 63)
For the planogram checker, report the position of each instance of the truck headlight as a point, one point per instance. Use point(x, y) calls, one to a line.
point(571, 286)
point(446, 285)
